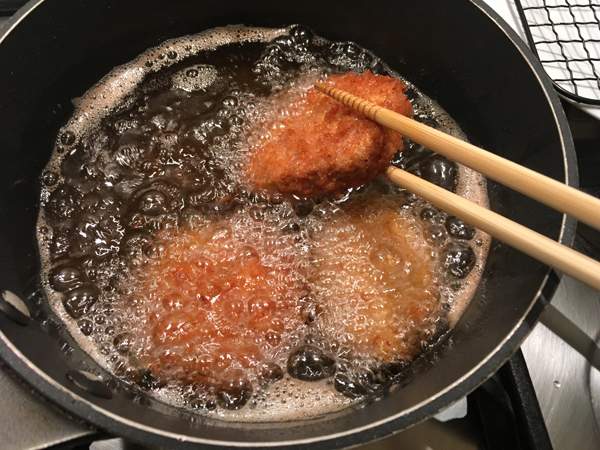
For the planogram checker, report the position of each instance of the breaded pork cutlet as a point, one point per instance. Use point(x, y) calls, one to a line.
point(323, 147)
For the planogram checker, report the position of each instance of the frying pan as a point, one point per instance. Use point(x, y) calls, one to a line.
point(460, 53)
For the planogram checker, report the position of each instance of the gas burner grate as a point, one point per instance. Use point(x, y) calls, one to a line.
point(565, 35)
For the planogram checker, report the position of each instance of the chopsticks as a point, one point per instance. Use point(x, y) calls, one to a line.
point(533, 184)
point(522, 238)
point(526, 181)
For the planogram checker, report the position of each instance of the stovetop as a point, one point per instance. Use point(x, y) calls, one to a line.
point(546, 396)
point(562, 351)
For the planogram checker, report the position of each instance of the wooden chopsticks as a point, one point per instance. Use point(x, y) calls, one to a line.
point(522, 238)
point(526, 181)
point(533, 184)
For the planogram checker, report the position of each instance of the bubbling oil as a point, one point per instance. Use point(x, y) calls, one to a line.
point(148, 175)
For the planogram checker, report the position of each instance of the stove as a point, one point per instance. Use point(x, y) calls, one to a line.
point(562, 351)
point(547, 396)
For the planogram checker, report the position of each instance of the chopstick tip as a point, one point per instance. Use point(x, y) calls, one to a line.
point(321, 86)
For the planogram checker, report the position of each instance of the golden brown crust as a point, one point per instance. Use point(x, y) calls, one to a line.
point(213, 309)
point(325, 147)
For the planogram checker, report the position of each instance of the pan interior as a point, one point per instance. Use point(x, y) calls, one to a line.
point(143, 155)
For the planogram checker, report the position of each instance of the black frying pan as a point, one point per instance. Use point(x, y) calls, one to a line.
point(458, 52)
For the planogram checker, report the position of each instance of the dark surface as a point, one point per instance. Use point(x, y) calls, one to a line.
point(8, 7)
point(506, 411)
point(586, 131)
point(85, 39)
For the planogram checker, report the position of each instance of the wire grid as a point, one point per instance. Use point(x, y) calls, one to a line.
point(565, 35)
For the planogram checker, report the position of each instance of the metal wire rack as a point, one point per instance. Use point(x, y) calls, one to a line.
point(565, 36)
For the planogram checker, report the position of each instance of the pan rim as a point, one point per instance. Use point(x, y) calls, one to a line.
point(106, 419)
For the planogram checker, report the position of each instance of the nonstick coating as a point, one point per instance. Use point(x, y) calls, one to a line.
point(457, 52)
